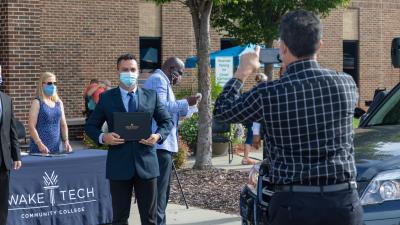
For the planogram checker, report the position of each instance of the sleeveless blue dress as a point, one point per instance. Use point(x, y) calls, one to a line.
point(48, 127)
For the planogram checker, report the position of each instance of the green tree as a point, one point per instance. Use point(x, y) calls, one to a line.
point(201, 12)
point(257, 21)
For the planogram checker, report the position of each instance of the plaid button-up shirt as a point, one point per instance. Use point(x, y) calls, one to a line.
point(308, 118)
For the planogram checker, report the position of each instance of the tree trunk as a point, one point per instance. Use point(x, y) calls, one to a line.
point(269, 71)
point(201, 24)
point(269, 68)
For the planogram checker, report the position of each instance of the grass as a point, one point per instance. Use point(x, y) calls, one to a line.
point(355, 122)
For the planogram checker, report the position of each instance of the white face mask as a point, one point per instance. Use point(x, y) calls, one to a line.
point(129, 79)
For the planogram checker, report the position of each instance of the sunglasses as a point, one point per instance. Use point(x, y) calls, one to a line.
point(50, 83)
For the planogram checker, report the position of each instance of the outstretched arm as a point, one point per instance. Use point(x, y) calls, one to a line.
point(160, 85)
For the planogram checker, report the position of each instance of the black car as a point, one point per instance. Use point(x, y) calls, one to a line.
point(377, 153)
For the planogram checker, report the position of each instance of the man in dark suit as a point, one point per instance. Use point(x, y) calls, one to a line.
point(130, 164)
point(9, 154)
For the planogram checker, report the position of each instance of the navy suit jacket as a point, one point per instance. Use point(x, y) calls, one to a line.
point(131, 158)
point(9, 147)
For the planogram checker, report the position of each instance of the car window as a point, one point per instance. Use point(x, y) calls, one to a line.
point(389, 112)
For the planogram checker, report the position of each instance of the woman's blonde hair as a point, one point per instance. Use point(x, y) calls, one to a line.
point(39, 88)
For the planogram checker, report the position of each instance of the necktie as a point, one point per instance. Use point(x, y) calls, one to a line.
point(132, 102)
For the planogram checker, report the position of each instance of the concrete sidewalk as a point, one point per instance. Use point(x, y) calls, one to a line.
point(178, 214)
point(221, 162)
point(218, 162)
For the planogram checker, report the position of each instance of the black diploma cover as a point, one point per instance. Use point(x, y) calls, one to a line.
point(132, 126)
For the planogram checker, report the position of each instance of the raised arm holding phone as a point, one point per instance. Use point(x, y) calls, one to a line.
point(308, 118)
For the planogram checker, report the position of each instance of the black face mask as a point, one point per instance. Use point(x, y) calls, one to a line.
point(175, 78)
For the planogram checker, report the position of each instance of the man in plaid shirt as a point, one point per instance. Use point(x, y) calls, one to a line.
point(308, 119)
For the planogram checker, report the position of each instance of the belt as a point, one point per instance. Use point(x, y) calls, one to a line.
point(315, 189)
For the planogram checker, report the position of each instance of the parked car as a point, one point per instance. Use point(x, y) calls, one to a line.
point(377, 154)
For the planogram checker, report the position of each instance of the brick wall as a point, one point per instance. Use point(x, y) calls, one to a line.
point(178, 37)
point(379, 24)
point(20, 51)
point(149, 19)
point(81, 40)
point(3, 38)
point(331, 54)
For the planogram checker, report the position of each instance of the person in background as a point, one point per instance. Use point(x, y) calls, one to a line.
point(162, 81)
point(10, 156)
point(103, 86)
point(253, 131)
point(93, 94)
point(308, 118)
point(248, 145)
point(130, 164)
point(89, 102)
point(47, 124)
point(260, 77)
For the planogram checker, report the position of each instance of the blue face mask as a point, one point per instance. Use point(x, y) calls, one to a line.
point(128, 78)
point(50, 90)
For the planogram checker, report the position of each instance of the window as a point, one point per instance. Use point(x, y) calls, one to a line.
point(350, 59)
point(150, 53)
point(389, 112)
point(228, 43)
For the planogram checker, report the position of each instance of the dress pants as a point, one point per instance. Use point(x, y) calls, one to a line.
point(145, 193)
point(163, 184)
point(4, 190)
point(324, 208)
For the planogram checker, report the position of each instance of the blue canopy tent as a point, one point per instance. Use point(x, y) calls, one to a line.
point(234, 52)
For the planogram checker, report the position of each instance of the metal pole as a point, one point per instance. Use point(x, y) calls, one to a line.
point(179, 183)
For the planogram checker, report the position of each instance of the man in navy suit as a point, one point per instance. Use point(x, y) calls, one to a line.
point(130, 164)
point(10, 156)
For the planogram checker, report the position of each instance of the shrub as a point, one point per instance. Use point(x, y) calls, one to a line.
point(182, 93)
point(189, 130)
point(180, 157)
point(215, 88)
point(237, 133)
point(91, 144)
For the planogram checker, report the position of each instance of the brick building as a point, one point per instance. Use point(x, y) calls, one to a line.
point(79, 40)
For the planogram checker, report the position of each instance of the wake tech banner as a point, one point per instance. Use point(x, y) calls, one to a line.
point(59, 190)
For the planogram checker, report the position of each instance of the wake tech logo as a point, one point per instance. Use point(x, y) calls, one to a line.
point(54, 200)
point(50, 184)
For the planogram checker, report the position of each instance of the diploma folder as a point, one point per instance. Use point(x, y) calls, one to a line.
point(132, 126)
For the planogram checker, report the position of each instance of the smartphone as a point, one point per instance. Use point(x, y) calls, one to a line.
point(269, 56)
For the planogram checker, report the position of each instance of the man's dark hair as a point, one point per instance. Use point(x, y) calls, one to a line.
point(124, 57)
point(94, 81)
point(301, 31)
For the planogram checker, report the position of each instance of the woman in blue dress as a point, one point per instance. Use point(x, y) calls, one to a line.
point(47, 125)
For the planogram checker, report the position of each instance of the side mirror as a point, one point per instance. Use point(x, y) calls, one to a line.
point(358, 112)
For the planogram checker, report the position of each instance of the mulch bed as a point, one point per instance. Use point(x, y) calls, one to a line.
point(214, 189)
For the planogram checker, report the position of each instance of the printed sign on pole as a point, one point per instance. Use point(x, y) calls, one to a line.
point(223, 70)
